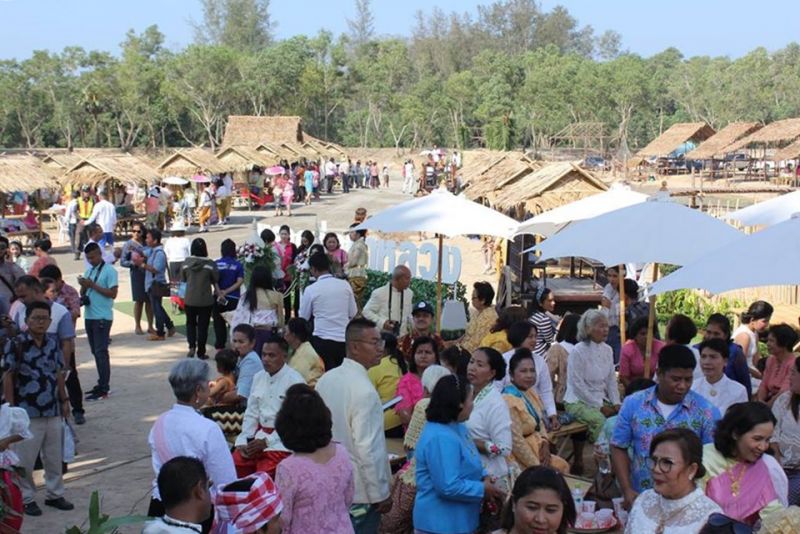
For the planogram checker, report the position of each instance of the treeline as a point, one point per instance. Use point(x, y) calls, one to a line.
point(513, 75)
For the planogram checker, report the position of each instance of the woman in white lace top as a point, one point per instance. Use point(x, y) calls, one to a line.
point(675, 505)
point(786, 439)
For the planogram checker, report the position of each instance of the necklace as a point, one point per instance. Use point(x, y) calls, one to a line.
point(662, 520)
point(736, 481)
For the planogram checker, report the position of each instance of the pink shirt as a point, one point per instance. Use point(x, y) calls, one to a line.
point(631, 360)
point(410, 388)
point(316, 497)
point(776, 376)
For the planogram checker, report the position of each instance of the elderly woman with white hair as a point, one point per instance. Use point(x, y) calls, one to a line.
point(183, 431)
point(592, 392)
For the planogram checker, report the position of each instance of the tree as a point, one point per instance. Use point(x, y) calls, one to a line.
point(608, 45)
point(243, 25)
point(362, 27)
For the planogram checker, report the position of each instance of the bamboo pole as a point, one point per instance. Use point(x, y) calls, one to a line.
point(651, 318)
point(621, 278)
point(439, 287)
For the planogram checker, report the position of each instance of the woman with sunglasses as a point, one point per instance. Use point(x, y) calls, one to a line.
point(135, 247)
point(675, 504)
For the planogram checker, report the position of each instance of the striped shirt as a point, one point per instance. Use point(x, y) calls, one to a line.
point(545, 332)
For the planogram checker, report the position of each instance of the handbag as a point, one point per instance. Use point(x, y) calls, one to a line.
point(604, 488)
point(68, 445)
point(160, 289)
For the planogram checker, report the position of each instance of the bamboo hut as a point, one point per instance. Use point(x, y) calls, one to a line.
point(243, 160)
point(99, 168)
point(549, 187)
point(676, 136)
point(717, 146)
point(774, 135)
point(26, 174)
point(247, 130)
point(188, 162)
point(61, 162)
point(498, 175)
point(476, 162)
point(789, 152)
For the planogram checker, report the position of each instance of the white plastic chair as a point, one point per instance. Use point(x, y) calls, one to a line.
point(63, 229)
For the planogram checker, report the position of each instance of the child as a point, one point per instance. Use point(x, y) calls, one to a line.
point(226, 382)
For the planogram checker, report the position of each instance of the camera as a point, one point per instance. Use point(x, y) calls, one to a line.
point(394, 328)
point(85, 300)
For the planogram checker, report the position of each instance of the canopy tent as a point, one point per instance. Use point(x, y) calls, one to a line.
point(444, 214)
point(676, 136)
point(778, 252)
point(550, 222)
point(716, 146)
point(188, 162)
point(99, 168)
point(769, 212)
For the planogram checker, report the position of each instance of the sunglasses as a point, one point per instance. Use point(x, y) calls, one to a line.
point(136, 231)
point(720, 520)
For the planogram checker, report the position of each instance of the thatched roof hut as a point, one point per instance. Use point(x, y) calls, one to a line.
point(790, 152)
point(62, 161)
point(776, 133)
point(243, 159)
point(25, 173)
point(476, 162)
point(499, 174)
point(551, 186)
point(248, 130)
point(675, 136)
point(188, 162)
point(716, 146)
point(99, 168)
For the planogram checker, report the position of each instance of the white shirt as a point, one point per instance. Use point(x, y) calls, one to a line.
point(108, 255)
point(344, 168)
point(377, 307)
point(105, 214)
point(490, 420)
point(182, 431)
point(682, 516)
point(167, 525)
point(787, 431)
point(71, 214)
point(177, 248)
point(409, 168)
point(13, 421)
point(358, 425)
point(543, 386)
point(57, 314)
point(590, 375)
point(721, 394)
point(330, 168)
point(665, 409)
point(266, 397)
point(330, 301)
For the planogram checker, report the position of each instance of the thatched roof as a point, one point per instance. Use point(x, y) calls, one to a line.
point(251, 130)
point(475, 162)
point(332, 148)
point(244, 159)
point(188, 162)
point(25, 173)
point(790, 152)
point(500, 174)
point(551, 186)
point(99, 168)
point(778, 132)
point(716, 145)
point(61, 161)
point(675, 136)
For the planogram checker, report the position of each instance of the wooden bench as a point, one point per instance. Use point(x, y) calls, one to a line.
point(560, 437)
point(26, 237)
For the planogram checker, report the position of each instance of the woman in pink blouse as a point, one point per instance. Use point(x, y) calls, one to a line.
point(336, 254)
point(631, 361)
point(780, 343)
point(425, 353)
point(316, 482)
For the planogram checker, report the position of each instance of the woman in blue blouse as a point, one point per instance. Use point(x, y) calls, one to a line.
point(451, 482)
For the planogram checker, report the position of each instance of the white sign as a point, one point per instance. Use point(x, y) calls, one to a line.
point(421, 260)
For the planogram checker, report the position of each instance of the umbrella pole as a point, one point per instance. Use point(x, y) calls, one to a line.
point(621, 306)
point(439, 288)
point(651, 319)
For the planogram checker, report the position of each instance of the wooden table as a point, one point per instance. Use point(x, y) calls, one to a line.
point(560, 437)
point(124, 223)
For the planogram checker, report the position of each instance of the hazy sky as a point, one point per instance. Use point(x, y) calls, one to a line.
point(697, 27)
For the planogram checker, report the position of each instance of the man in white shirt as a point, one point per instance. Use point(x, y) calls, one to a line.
point(95, 233)
point(717, 388)
point(330, 175)
point(222, 198)
point(71, 219)
point(390, 306)
point(105, 214)
point(357, 418)
point(331, 303)
point(258, 447)
point(344, 172)
point(409, 180)
point(227, 183)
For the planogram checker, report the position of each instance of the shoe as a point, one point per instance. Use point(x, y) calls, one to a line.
point(33, 509)
point(139, 332)
point(95, 396)
point(203, 356)
point(79, 418)
point(61, 503)
point(170, 331)
point(190, 354)
point(155, 337)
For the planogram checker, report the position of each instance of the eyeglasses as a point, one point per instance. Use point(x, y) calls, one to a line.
point(719, 520)
point(378, 343)
point(39, 318)
point(664, 464)
point(136, 231)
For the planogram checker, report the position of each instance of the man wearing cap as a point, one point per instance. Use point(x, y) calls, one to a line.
point(390, 306)
point(422, 325)
point(105, 214)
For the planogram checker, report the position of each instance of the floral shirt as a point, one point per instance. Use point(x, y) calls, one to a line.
point(70, 299)
point(37, 371)
point(640, 420)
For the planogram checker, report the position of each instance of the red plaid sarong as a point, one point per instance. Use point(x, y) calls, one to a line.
point(249, 510)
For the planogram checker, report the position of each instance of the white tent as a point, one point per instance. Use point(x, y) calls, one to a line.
point(769, 212)
point(775, 252)
point(550, 222)
point(658, 231)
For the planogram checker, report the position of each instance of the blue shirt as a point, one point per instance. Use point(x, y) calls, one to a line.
point(158, 259)
point(246, 369)
point(640, 420)
point(449, 480)
point(230, 270)
point(100, 306)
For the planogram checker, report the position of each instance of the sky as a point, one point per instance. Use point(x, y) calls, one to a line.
point(696, 27)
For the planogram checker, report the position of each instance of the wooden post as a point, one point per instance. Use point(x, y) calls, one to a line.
point(621, 305)
point(651, 318)
point(439, 287)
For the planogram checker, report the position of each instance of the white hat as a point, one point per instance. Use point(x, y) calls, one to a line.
point(178, 226)
point(431, 376)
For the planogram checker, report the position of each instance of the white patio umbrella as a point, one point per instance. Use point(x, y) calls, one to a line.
point(769, 212)
point(175, 180)
point(550, 222)
point(776, 249)
point(655, 231)
point(444, 214)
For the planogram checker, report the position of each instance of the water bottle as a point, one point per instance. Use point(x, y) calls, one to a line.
point(577, 496)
